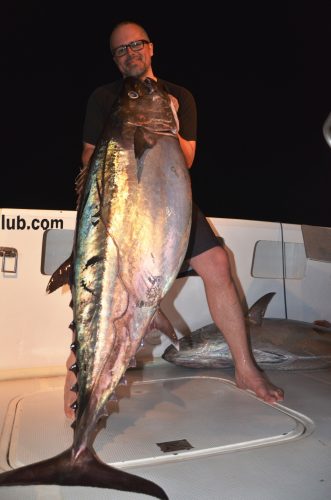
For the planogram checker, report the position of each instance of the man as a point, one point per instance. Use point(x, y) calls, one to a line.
point(132, 52)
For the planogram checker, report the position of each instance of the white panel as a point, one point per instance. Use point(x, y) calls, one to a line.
point(240, 238)
point(33, 324)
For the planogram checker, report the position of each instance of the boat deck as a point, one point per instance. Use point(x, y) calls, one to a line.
point(191, 431)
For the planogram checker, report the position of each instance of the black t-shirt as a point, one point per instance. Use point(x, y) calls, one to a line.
point(102, 99)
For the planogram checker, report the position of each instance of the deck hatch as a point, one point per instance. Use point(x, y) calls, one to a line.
point(210, 413)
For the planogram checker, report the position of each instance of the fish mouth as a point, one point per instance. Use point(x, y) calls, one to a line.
point(170, 350)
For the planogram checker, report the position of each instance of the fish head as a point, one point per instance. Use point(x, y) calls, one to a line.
point(145, 103)
point(205, 348)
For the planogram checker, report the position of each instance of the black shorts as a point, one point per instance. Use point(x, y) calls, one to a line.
point(202, 236)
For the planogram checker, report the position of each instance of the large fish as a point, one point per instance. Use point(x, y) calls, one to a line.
point(281, 344)
point(131, 236)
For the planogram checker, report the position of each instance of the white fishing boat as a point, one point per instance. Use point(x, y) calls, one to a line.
point(192, 431)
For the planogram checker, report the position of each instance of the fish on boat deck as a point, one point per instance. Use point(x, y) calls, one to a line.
point(132, 229)
point(281, 344)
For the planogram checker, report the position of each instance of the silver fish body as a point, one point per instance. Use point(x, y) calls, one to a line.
point(276, 343)
point(129, 249)
point(131, 236)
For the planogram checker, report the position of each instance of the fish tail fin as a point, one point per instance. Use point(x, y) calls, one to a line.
point(85, 470)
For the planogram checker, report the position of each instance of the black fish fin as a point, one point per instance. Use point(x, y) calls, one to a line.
point(62, 276)
point(257, 310)
point(123, 381)
point(86, 470)
point(132, 362)
point(143, 139)
point(161, 322)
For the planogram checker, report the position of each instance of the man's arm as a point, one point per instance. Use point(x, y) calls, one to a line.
point(188, 148)
point(87, 153)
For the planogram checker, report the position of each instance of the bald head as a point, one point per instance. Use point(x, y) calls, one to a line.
point(125, 26)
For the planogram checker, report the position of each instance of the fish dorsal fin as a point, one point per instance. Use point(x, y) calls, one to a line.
point(257, 311)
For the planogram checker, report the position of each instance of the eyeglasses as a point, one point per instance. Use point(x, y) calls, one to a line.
point(135, 46)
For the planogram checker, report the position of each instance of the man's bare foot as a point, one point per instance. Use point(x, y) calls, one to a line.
point(256, 381)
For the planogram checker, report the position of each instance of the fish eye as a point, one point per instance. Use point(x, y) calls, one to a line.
point(133, 95)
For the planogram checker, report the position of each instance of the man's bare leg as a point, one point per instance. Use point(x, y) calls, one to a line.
point(214, 269)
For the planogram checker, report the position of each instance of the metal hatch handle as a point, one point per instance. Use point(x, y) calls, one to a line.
point(8, 253)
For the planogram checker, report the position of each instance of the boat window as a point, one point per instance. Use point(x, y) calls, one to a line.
point(57, 247)
point(271, 260)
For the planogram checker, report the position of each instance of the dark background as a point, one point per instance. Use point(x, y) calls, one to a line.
point(260, 73)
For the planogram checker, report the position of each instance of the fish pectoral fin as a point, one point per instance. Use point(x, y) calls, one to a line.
point(265, 356)
point(161, 322)
point(62, 276)
point(143, 139)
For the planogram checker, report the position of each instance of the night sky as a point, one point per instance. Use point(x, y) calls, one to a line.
point(260, 73)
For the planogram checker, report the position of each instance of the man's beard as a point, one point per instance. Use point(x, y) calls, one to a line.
point(136, 69)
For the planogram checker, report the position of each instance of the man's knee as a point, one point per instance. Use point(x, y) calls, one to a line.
point(212, 264)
